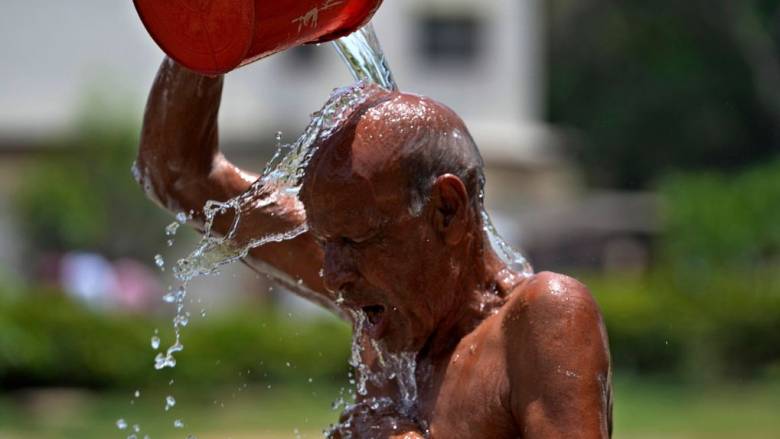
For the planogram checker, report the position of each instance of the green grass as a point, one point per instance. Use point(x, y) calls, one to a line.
point(643, 410)
point(234, 412)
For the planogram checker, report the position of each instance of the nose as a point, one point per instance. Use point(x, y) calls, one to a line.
point(340, 272)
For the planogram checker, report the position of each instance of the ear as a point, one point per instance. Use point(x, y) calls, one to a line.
point(449, 203)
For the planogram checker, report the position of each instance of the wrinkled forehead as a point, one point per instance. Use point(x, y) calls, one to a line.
point(346, 192)
point(358, 171)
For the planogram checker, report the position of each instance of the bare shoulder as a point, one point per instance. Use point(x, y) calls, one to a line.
point(548, 297)
point(554, 321)
point(558, 358)
point(550, 313)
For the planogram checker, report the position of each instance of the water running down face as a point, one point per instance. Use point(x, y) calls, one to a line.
point(392, 256)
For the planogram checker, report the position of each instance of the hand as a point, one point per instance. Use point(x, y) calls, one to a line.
point(375, 419)
point(386, 428)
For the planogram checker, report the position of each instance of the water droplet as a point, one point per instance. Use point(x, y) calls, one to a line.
point(176, 347)
point(162, 361)
point(136, 172)
point(182, 319)
point(159, 262)
point(137, 394)
point(155, 342)
point(136, 428)
point(172, 228)
point(181, 217)
point(121, 424)
point(178, 423)
point(170, 402)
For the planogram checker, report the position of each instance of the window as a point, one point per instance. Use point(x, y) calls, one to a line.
point(446, 39)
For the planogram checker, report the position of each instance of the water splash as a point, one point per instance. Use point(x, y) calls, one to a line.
point(181, 318)
point(362, 371)
point(515, 260)
point(283, 176)
point(390, 367)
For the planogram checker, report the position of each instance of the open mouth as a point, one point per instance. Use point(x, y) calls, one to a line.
point(375, 317)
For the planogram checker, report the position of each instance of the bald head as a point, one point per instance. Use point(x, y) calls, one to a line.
point(397, 135)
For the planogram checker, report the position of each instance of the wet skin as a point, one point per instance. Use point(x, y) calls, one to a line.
point(499, 355)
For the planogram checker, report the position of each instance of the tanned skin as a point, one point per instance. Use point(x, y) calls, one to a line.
point(499, 355)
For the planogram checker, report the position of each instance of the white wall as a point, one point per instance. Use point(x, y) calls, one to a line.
point(54, 52)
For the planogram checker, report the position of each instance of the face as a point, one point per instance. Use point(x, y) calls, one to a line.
point(379, 258)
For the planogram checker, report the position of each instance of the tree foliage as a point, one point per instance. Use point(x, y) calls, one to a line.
point(714, 221)
point(653, 87)
point(81, 196)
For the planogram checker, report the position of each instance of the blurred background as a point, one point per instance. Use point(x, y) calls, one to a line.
point(632, 144)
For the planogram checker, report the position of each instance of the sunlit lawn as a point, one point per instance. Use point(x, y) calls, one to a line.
point(236, 412)
point(643, 410)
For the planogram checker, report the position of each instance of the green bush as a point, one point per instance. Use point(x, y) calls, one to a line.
point(660, 86)
point(46, 339)
point(731, 328)
point(82, 196)
point(656, 325)
point(714, 222)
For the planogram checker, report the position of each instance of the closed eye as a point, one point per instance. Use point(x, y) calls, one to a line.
point(322, 242)
point(344, 240)
point(358, 241)
point(351, 241)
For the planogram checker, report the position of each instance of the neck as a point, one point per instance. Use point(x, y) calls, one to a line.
point(481, 289)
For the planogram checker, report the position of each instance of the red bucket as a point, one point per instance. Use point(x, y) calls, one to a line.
point(216, 36)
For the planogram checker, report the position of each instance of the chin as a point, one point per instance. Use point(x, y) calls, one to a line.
point(402, 338)
point(394, 330)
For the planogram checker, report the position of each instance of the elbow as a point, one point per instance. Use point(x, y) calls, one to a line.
point(144, 177)
point(158, 180)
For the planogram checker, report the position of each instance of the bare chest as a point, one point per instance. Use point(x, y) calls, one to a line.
point(469, 394)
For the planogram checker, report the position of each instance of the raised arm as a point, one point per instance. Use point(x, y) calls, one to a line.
point(180, 167)
point(179, 159)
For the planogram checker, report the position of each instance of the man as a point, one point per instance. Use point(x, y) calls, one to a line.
point(393, 203)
